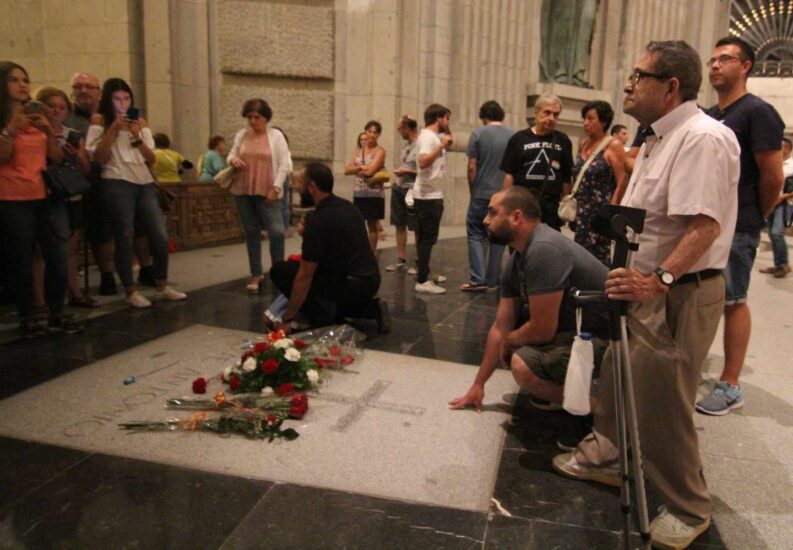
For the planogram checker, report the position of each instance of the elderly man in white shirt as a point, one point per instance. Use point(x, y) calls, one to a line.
point(686, 177)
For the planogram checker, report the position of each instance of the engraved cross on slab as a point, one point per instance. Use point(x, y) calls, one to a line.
point(369, 400)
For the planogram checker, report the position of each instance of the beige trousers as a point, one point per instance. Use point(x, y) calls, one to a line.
point(669, 339)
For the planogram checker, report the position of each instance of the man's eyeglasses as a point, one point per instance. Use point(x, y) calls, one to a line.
point(637, 75)
point(722, 59)
point(84, 86)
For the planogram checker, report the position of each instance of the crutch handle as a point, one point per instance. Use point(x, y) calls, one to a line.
point(582, 298)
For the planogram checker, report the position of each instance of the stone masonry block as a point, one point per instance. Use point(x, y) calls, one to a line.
point(276, 39)
point(306, 116)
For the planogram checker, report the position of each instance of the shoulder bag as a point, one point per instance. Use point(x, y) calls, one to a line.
point(225, 177)
point(568, 206)
point(65, 181)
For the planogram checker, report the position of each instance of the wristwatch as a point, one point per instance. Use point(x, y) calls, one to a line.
point(666, 277)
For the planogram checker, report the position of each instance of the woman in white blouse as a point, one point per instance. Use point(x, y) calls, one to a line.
point(263, 162)
point(122, 143)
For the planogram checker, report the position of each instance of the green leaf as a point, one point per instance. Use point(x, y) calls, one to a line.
point(289, 434)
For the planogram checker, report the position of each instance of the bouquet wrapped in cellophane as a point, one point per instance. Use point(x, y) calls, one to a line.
point(253, 424)
point(252, 415)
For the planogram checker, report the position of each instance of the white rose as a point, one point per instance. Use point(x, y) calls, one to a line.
point(283, 343)
point(313, 376)
point(249, 365)
point(267, 390)
point(227, 373)
point(292, 355)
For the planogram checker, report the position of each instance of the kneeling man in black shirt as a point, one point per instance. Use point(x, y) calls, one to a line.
point(338, 275)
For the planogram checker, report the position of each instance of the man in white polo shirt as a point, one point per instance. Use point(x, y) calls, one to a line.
point(431, 146)
point(686, 178)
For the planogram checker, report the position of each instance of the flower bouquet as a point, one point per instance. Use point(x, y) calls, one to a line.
point(273, 366)
point(293, 406)
point(253, 424)
point(333, 347)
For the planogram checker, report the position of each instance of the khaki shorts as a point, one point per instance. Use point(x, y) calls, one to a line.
point(549, 361)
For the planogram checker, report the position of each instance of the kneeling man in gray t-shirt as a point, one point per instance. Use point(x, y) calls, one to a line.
point(535, 322)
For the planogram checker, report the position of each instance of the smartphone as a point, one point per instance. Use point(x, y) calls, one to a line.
point(73, 139)
point(133, 113)
point(33, 107)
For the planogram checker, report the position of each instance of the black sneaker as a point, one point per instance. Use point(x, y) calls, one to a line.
point(146, 276)
point(580, 428)
point(32, 328)
point(568, 443)
point(108, 285)
point(65, 324)
point(383, 316)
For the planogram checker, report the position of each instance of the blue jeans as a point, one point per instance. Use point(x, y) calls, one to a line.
point(739, 266)
point(127, 205)
point(477, 235)
point(776, 232)
point(22, 225)
point(284, 202)
point(256, 215)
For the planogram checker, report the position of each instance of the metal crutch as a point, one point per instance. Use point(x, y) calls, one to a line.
point(617, 222)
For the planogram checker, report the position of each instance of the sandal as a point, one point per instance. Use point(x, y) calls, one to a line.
point(474, 287)
point(84, 301)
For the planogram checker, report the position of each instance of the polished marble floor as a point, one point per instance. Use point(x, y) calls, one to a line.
point(55, 497)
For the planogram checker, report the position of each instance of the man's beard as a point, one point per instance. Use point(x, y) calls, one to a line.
point(501, 238)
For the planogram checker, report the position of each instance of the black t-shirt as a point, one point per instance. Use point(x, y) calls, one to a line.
point(542, 163)
point(335, 237)
point(758, 127)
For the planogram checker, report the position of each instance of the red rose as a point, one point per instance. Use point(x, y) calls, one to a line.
point(299, 344)
point(270, 366)
point(261, 346)
point(335, 351)
point(347, 359)
point(285, 389)
point(298, 405)
point(234, 383)
point(200, 385)
point(271, 420)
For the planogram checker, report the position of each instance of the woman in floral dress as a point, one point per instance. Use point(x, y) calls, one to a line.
point(603, 181)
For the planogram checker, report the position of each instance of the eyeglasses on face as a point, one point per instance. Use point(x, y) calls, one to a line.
point(84, 86)
point(637, 75)
point(722, 59)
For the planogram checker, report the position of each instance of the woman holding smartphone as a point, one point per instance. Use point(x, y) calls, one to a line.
point(27, 143)
point(56, 107)
point(121, 142)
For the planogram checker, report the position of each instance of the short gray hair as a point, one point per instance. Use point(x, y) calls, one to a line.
point(676, 59)
point(547, 99)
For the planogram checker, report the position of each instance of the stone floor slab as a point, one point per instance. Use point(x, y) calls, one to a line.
point(383, 429)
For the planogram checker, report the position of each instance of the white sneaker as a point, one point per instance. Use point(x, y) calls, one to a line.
point(399, 265)
point(440, 278)
point(138, 300)
point(568, 466)
point(667, 531)
point(412, 271)
point(169, 294)
point(428, 287)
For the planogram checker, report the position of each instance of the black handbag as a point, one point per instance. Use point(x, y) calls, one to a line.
point(165, 198)
point(65, 181)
